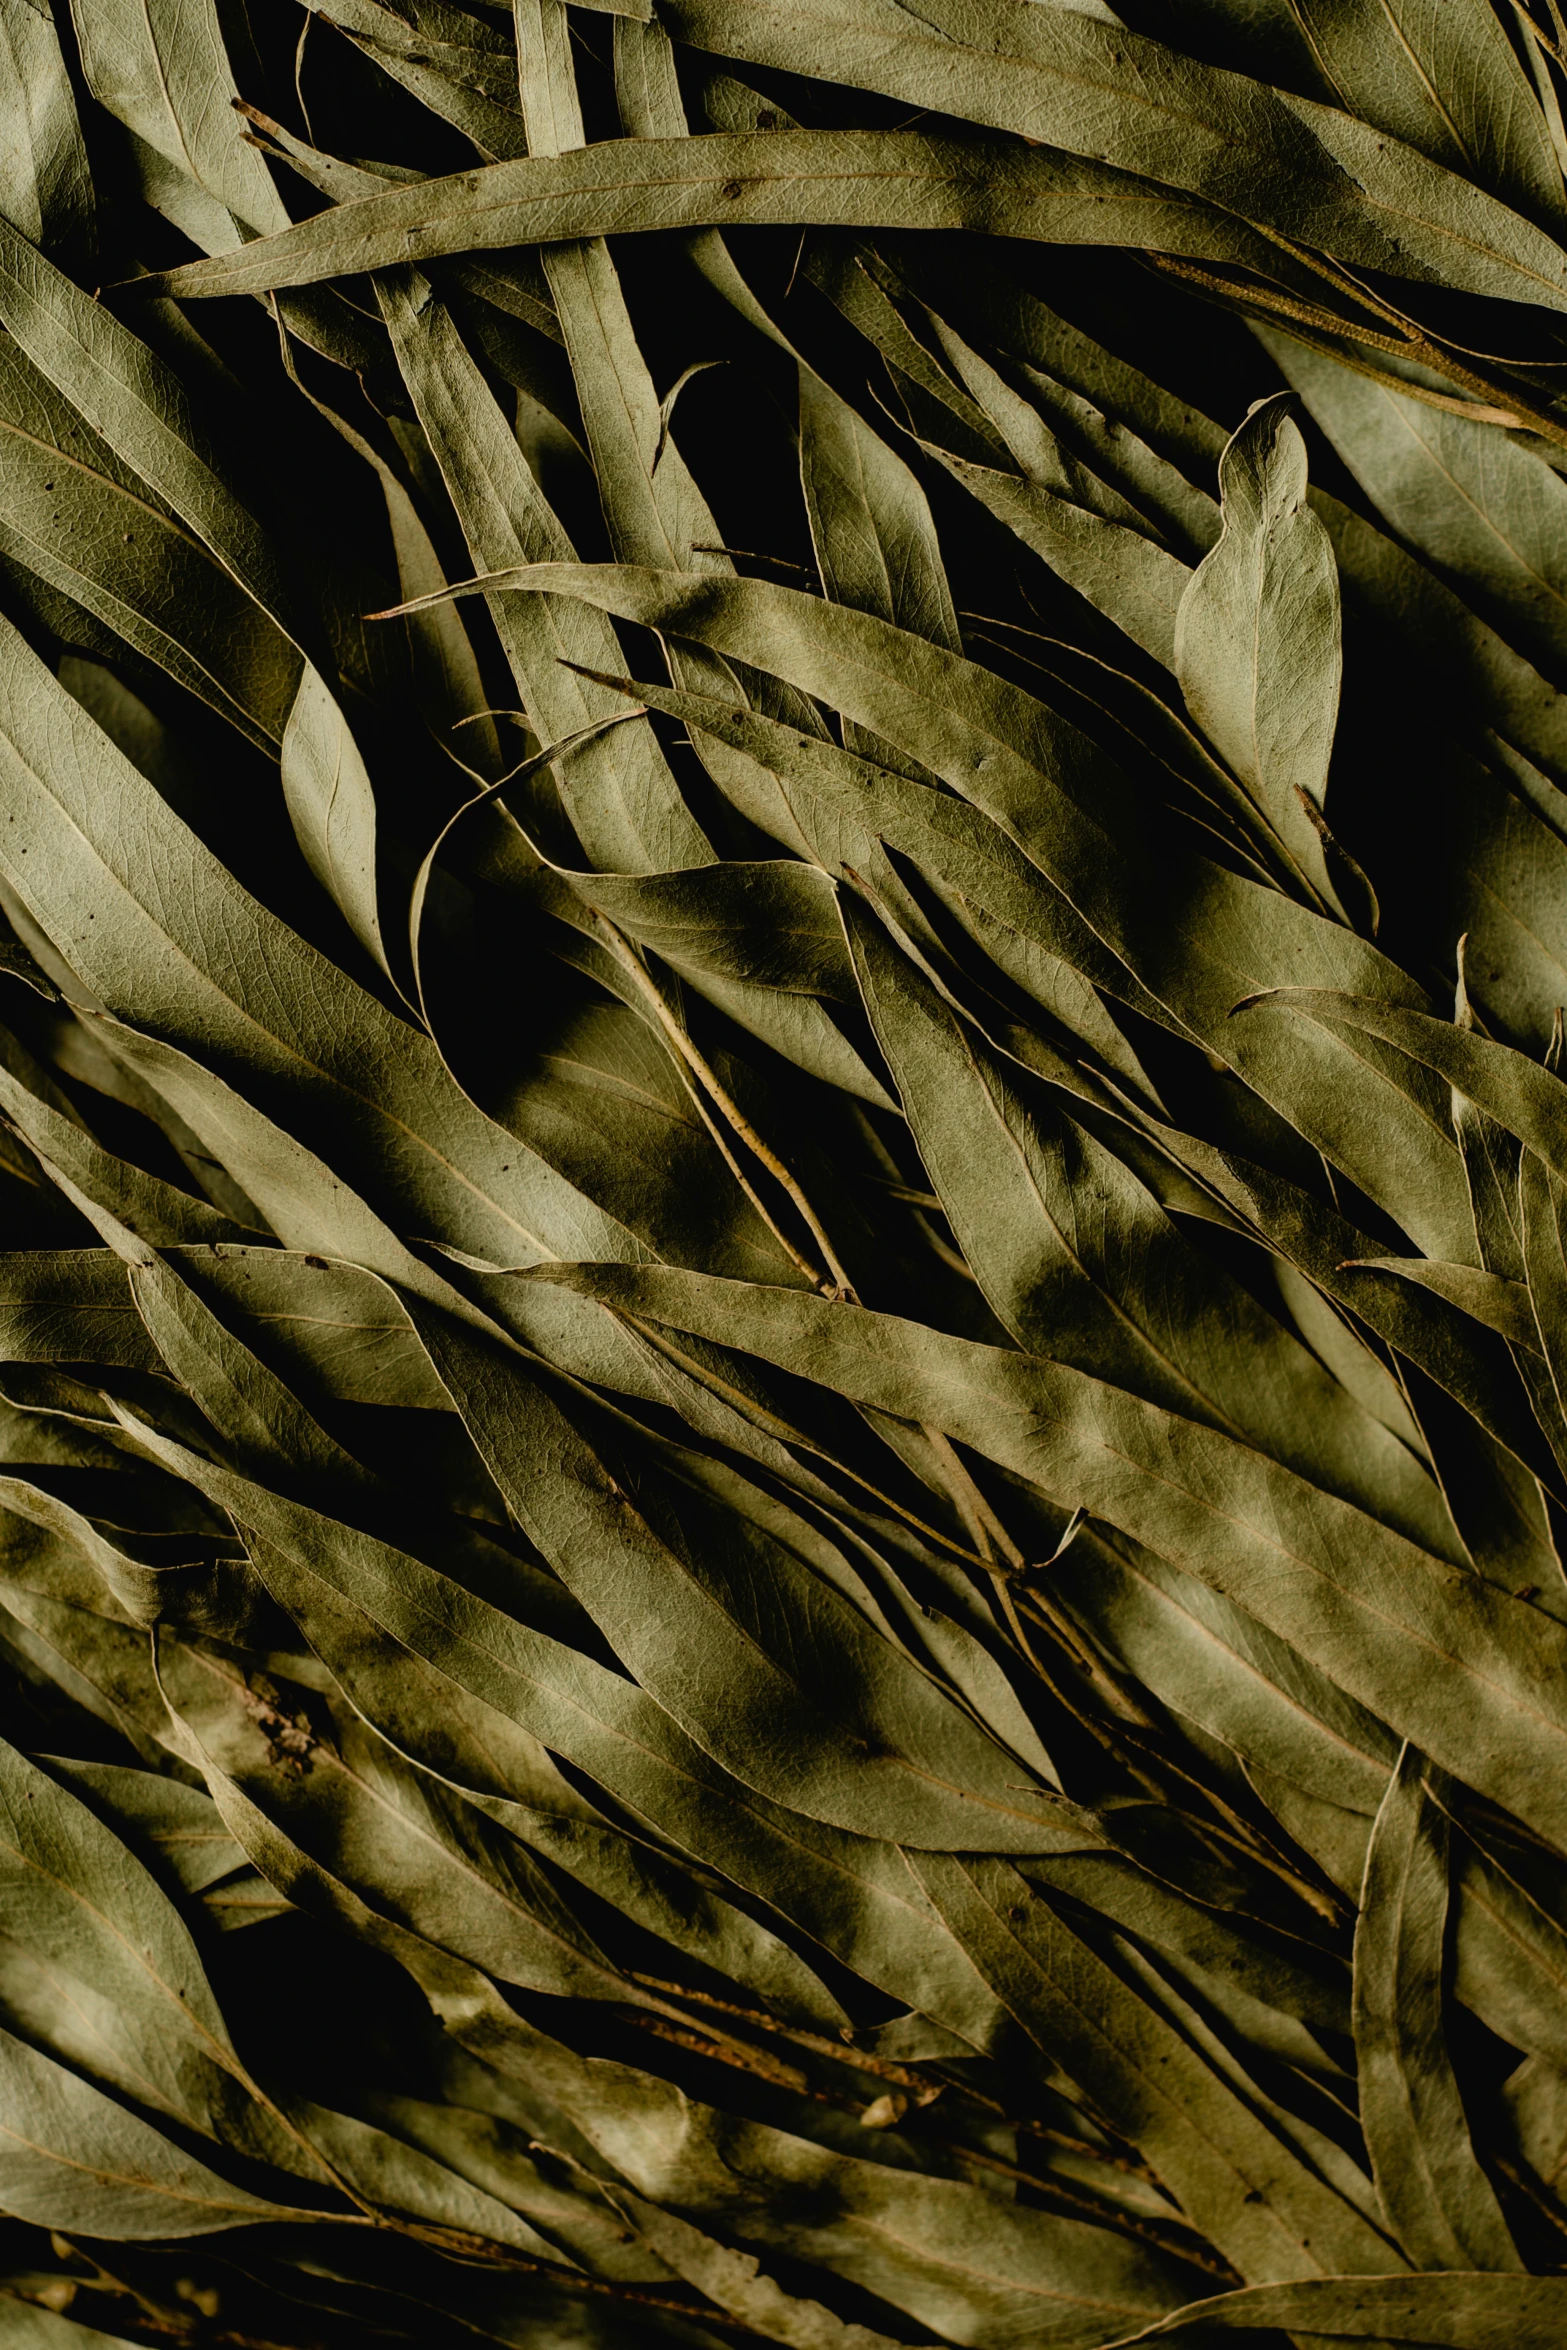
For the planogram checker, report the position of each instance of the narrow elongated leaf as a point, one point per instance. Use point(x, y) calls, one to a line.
point(1457, 2312)
point(1382, 580)
point(173, 1828)
point(45, 187)
point(1448, 81)
point(84, 521)
point(1099, 1289)
point(888, 1756)
point(600, 1721)
point(848, 807)
point(411, 1851)
point(79, 1902)
point(1218, 1666)
point(1257, 635)
point(162, 71)
point(871, 529)
point(158, 1211)
point(1435, 2196)
point(158, 957)
point(330, 800)
point(761, 941)
point(1095, 89)
point(623, 798)
point(250, 1408)
point(1502, 1305)
point(904, 180)
point(394, 2176)
point(1067, 510)
point(1511, 1956)
point(1131, 579)
point(953, 2257)
point(138, 408)
point(735, 2280)
point(853, 179)
point(1292, 1562)
point(481, 1750)
point(70, 2159)
point(1478, 507)
point(1060, 796)
point(1542, 1209)
point(1248, 2193)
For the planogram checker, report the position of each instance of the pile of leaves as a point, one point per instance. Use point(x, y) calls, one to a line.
point(783, 1315)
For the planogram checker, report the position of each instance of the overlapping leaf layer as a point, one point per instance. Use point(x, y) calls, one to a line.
point(783, 1174)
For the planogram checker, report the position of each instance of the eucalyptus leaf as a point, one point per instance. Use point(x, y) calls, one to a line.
point(71, 2158)
point(1257, 634)
point(1432, 2190)
point(783, 1426)
point(1052, 1423)
point(47, 189)
point(166, 76)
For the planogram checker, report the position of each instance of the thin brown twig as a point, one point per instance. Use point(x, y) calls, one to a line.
point(835, 1281)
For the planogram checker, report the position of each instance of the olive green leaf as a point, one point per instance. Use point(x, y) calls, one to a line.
point(1542, 1203)
point(1094, 89)
point(328, 793)
point(173, 1828)
point(1455, 2312)
point(1099, 1289)
point(87, 524)
point(72, 2159)
point(1384, 584)
point(138, 409)
point(1257, 634)
point(1433, 2193)
point(78, 1902)
point(1478, 507)
point(456, 64)
point(1502, 1305)
point(1220, 1668)
point(1061, 507)
point(161, 1213)
point(1246, 2190)
point(1130, 578)
point(903, 180)
point(387, 2172)
point(46, 188)
point(411, 1851)
point(855, 179)
point(163, 73)
point(951, 2256)
point(1511, 1955)
point(600, 1721)
point(825, 1716)
point(1040, 778)
point(1269, 1547)
point(1446, 80)
point(160, 958)
point(736, 2281)
point(488, 1756)
point(622, 796)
